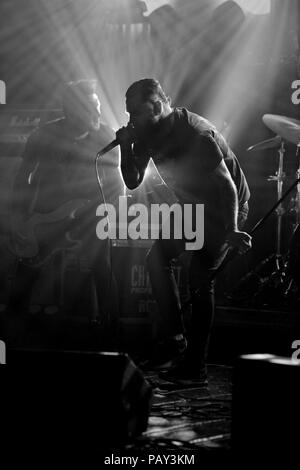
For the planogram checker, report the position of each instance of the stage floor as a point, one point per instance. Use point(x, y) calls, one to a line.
point(185, 422)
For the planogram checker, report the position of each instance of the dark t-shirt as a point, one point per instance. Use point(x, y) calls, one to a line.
point(186, 157)
point(62, 168)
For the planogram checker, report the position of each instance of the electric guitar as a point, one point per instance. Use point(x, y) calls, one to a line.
point(44, 234)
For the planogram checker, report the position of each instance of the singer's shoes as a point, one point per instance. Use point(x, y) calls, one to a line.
point(166, 354)
point(186, 373)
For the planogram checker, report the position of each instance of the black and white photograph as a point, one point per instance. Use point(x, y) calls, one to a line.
point(150, 230)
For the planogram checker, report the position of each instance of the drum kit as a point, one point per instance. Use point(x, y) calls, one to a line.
point(279, 281)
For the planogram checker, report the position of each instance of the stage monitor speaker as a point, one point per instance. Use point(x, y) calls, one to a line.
point(95, 396)
point(266, 411)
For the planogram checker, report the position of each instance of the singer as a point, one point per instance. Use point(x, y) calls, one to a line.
point(57, 177)
point(199, 167)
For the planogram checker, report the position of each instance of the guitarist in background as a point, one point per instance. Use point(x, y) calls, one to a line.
point(57, 181)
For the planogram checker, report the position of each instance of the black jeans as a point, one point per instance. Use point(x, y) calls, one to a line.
point(203, 264)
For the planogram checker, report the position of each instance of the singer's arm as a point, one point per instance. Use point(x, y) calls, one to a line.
point(134, 159)
point(133, 165)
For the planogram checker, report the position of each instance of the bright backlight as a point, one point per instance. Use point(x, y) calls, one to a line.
point(257, 7)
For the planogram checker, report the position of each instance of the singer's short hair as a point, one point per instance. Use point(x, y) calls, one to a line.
point(146, 88)
point(75, 92)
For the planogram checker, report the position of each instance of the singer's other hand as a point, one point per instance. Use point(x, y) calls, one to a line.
point(125, 136)
point(242, 241)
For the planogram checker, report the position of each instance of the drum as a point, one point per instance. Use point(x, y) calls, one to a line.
point(294, 256)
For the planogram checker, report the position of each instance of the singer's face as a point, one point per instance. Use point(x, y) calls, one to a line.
point(142, 116)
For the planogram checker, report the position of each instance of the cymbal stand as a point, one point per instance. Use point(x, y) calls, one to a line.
point(279, 177)
point(297, 218)
point(234, 251)
point(295, 206)
point(298, 189)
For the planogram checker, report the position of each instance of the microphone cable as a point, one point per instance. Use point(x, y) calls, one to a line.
point(109, 239)
point(99, 154)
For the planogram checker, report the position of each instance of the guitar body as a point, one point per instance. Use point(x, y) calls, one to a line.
point(44, 234)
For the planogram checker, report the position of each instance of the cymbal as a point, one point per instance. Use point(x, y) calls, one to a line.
point(266, 144)
point(285, 127)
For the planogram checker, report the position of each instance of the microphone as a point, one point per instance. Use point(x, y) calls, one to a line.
point(108, 148)
point(113, 144)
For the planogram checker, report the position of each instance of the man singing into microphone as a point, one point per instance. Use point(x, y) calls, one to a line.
point(199, 167)
point(58, 167)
